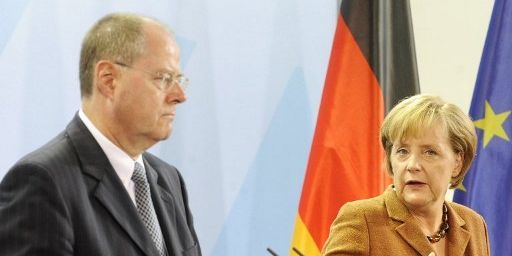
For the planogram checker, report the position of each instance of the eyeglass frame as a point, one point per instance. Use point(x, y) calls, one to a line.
point(167, 80)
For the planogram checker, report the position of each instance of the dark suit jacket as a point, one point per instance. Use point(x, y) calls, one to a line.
point(66, 199)
point(383, 226)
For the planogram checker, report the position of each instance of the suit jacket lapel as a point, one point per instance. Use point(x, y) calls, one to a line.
point(409, 230)
point(458, 236)
point(124, 213)
point(109, 190)
point(164, 206)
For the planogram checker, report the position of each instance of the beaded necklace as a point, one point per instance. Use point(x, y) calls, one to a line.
point(443, 229)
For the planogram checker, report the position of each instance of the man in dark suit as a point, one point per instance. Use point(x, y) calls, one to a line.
point(93, 190)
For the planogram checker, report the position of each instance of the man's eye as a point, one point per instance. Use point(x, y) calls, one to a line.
point(165, 79)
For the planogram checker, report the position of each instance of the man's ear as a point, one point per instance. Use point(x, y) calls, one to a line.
point(105, 74)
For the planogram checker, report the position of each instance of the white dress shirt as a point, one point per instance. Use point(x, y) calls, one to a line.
point(123, 164)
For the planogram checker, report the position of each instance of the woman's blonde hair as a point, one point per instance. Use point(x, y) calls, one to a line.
point(415, 114)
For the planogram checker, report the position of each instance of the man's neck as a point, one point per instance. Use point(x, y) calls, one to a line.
point(110, 132)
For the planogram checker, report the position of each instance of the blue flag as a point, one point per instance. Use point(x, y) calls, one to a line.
point(488, 185)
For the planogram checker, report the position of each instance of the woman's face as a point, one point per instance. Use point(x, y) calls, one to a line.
point(423, 166)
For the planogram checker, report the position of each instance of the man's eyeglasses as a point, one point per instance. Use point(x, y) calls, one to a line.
point(165, 80)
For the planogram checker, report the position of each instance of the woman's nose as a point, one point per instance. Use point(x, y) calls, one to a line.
point(413, 163)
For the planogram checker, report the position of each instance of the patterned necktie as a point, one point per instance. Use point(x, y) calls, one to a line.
point(145, 207)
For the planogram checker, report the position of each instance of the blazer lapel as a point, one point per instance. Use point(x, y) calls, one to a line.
point(109, 190)
point(409, 230)
point(125, 213)
point(458, 237)
point(164, 202)
point(410, 233)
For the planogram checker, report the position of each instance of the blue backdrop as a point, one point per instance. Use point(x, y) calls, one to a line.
point(241, 140)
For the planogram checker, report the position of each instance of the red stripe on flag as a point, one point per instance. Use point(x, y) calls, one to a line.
point(345, 159)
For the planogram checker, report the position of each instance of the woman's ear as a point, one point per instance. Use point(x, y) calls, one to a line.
point(459, 159)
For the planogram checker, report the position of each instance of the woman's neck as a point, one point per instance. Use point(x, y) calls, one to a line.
point(429, 218)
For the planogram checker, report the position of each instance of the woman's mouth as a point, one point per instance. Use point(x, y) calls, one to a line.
point(415, 183)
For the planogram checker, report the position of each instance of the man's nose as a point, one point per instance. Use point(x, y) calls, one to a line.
point(176, 93)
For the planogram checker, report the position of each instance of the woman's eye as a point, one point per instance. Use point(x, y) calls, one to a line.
point(431, 152)
point(401, 151)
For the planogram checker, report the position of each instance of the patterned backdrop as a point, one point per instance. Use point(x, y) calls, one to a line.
point(241, 140)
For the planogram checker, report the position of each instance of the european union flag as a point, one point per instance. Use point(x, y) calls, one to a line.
point(488, 185)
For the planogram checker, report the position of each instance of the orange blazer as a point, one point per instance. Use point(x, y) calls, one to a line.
point(383, 226)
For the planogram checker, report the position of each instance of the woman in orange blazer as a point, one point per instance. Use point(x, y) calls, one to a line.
point(429, 147)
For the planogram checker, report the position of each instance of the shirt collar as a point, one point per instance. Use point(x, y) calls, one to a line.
point(122, 163)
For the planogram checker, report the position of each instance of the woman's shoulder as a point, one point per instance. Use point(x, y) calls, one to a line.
point(464, 211)
point(366, 207)
point(466, 216)
point(472, 222)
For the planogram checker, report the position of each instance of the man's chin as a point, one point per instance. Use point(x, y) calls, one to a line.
point(159, 135)
point(165, 134)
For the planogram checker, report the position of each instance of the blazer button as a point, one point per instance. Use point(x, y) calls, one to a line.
point(432, 254)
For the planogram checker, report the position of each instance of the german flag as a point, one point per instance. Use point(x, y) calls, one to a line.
point(372, 66)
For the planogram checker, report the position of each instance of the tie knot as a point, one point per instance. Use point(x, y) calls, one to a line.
point(139, 175)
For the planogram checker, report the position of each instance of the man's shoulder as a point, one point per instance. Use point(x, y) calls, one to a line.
point(52, 165)
point(57, 151)
point(169, 176)
point(162, 167)
point(157, 162)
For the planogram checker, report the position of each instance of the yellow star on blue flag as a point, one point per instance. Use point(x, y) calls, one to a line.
point(492, 124)
point(486, 187)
